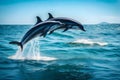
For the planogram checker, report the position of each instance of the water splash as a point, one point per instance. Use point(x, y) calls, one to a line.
point(31, 51)
point(89, 42)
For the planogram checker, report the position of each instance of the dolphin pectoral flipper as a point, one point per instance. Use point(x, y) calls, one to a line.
point(43, 34)
point(54, 30)
point(17, 43)
point(66, 29)
point(62, 26)
point(51, 32)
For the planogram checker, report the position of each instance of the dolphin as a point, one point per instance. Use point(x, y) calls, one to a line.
point(37, 30)
point(69, 23)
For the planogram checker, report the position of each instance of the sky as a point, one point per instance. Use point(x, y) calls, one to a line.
point(84, 11)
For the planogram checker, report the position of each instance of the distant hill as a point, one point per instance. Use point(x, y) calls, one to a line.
point(104, 23)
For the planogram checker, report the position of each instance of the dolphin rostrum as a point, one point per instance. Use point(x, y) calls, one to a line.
point(38, 30)
point(69, 23)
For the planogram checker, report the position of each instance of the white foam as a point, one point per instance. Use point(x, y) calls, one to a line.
point(31, 51)
point(44, 58)
point(89, 42)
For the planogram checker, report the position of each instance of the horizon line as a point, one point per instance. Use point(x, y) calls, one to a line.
point(33, 24)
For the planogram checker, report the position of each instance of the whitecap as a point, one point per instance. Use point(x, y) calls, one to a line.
point(89, 42)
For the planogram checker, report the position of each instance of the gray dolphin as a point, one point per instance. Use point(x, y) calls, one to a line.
point(37, 30)
point(69, 23)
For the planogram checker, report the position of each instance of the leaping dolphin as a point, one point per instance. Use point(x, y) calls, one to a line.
point(38, 30)
point(69, 23)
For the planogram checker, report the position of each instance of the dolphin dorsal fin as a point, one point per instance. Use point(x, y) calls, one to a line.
point(38, 19)
point(50, 16)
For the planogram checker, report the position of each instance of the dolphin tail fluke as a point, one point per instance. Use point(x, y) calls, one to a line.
point(17, 43)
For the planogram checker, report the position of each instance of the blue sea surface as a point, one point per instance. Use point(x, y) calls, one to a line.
point(70, 55)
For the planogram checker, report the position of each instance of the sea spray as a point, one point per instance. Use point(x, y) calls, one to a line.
point(31, 51)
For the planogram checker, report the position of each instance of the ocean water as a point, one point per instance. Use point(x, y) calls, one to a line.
point(70, 55)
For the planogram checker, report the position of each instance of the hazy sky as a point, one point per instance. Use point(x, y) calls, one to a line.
point(85, 11)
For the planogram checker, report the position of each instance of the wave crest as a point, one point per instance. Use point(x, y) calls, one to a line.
point(89, 42)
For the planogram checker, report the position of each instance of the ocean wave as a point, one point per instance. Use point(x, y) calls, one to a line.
point(43, 58)
point(89, 42)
